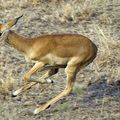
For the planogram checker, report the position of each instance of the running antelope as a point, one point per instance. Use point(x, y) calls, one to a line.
point(51, 52)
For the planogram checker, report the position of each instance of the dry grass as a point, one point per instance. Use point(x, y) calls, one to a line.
point(97, 19)
point(108, 56)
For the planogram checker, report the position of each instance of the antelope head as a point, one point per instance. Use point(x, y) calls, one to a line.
point(5, 28)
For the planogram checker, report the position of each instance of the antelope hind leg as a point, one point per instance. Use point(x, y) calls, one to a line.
point(71, 73)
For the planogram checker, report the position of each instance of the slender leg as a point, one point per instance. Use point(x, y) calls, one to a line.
point(43, 80)
point(29, 85)
point(71, 73)
point(38, 65)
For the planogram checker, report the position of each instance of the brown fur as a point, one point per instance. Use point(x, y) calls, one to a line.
point(62, 46)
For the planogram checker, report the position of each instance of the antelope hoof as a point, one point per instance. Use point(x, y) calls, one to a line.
point(50, 81)
point(40, 109)
point(15, 93)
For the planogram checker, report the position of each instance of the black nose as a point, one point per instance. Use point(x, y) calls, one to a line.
point(0, 33)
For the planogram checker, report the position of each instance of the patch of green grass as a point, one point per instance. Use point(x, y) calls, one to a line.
point(79, 89)
point(63, 107)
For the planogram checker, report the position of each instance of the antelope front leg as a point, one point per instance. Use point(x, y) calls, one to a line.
point(38, 65)
point(29, 85)
point(23, 88)
point(71, 73)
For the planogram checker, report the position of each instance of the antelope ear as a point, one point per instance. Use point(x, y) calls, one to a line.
point(10, 23)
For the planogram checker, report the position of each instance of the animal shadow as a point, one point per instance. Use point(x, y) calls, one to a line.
point(100, 90)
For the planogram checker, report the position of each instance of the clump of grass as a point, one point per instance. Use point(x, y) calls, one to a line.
point(63, 107)
point(77, 10)
point(79, 89)
point(7, 84)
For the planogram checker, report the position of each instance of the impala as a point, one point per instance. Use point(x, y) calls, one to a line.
point(51, 52)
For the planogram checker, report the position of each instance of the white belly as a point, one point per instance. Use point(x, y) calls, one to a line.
point(52, 59)
point(49, 59)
